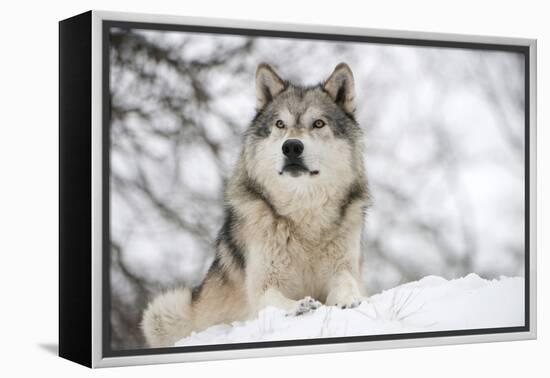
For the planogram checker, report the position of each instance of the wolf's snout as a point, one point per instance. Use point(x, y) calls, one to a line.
point(293, 148)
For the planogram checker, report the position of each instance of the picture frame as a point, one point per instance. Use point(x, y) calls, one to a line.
point(85, 163)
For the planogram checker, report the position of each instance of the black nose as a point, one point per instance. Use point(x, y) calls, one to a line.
point(293, 148)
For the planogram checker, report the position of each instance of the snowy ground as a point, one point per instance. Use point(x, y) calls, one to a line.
point(431, 304)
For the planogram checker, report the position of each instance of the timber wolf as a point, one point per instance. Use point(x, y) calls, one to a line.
point(294, 213)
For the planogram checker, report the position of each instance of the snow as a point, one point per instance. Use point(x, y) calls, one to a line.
point(430, 304)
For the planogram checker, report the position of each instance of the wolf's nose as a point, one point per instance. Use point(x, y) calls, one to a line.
point(293, 148)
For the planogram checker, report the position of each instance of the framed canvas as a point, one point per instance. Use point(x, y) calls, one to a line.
point(235, 189)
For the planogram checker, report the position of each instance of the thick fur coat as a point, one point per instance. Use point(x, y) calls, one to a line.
point(294, 213)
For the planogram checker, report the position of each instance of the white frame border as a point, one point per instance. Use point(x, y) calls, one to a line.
point(97, 235)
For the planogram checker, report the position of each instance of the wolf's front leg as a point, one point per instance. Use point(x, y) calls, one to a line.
point(263, 292)
point(344, 290)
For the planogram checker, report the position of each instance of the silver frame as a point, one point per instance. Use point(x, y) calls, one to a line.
point(97, 196)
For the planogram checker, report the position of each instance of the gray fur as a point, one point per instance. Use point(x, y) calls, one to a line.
point(285, 236)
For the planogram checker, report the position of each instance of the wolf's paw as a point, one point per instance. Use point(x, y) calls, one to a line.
point(305, 305)
point(344, 293)
point(355, 302)
point(344, 301)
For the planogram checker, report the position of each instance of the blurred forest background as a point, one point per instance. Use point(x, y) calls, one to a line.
point(445, 156)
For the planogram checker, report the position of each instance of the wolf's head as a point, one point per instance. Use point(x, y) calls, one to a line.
point(304, 139)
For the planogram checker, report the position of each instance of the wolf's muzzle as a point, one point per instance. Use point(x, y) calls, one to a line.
point(294, 164)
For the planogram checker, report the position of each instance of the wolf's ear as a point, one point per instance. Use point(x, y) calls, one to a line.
point(341, 88)
point(268, 85)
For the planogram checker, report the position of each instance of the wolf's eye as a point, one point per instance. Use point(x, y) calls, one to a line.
point(280, 124)
point(319, 123)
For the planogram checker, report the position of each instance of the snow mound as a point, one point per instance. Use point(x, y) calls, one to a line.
point(430, 304)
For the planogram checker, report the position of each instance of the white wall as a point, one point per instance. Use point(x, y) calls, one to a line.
point(28, 197)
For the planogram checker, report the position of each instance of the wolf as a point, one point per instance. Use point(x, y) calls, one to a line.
point(294, 213)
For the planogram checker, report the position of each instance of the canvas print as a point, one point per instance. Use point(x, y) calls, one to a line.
point(266, 189)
